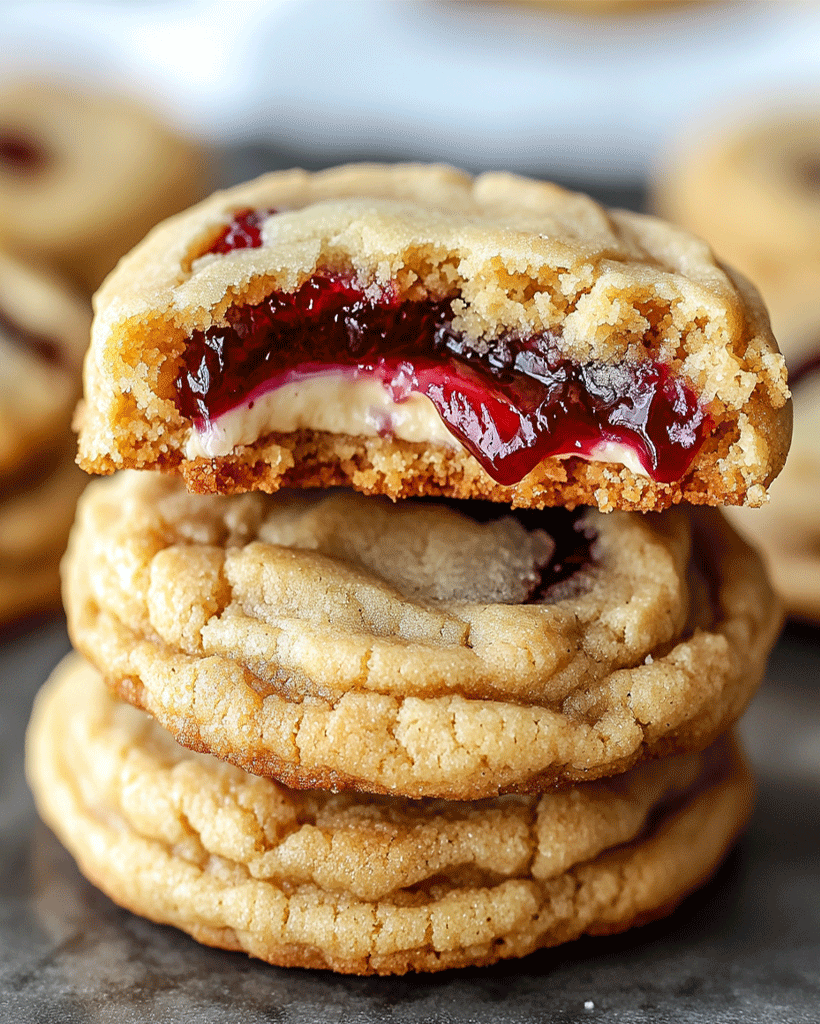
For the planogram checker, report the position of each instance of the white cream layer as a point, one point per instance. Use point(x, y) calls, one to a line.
point(340, 403)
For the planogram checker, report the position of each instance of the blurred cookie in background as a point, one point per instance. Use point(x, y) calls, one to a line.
point(610, 7)
point(44, 331)
point(84, 176)
point(35, 519)
point(753, 192)
point(788, 529)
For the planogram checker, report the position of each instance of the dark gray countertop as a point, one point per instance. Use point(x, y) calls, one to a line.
point(745, 948)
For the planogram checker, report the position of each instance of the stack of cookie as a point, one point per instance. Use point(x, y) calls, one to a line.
point(478, 719)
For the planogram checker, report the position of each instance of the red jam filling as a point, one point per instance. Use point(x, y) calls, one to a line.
point(45, 348)
point(243, 232)
point(573, 540)
point(511, 407)
point(20, 153)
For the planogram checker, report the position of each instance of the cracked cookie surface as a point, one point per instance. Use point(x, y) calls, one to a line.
point(342, 642)
point(513, 257)
point(362, 884)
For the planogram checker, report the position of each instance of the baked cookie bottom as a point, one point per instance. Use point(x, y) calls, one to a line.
point(342, 642)
point(34, 525)
point(404, 469)
point(361, 884)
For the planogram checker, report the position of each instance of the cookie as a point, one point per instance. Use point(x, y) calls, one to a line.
point(753, 190)
point(362, 884)
point(409, 330)
point(787, 531)
point(35, 519)
point(343, 642)
point(83, 176)
point(43, 335)
point(615, 8)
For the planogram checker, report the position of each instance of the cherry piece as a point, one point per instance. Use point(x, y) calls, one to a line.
point(243, 232)
point(573, 540)
point(511, 407)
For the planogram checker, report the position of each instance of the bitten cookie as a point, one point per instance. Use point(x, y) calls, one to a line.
point(753, 190)
point(362, 884)
point(410, 330)
point(84, 176)
point(344, 642)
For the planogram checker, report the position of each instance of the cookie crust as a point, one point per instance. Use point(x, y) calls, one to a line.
point(304, 637)
point(359, 884)
point(521, 255)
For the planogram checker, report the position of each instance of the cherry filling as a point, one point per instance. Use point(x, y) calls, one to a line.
point(243, 232)
point(45, 348)
point(511, 407)
point(20, 153)
point(573, 540)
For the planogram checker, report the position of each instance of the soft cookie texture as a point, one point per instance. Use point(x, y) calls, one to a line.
point(84, 176)
point(363, 884)
point(515, 257)
point(339, 641)
point(752, 189)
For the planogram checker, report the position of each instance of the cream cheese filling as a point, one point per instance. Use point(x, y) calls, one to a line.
point(341, 403)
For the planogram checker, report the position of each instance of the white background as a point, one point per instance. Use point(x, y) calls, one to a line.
point(478, 84)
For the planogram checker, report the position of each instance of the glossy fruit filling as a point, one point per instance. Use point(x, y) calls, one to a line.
point(45, 348)
point(512, 406)
point(243, 232)
point(573, 539)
